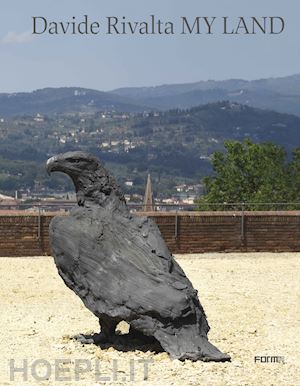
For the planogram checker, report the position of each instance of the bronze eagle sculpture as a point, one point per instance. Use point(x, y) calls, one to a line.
point(121, 268)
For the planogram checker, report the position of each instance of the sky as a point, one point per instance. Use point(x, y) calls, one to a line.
point(106, 62)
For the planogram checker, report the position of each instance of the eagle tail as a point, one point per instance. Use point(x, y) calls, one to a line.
point(187, 343)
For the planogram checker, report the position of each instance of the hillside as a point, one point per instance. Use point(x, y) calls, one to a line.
point(175, 146)
point(64, 100)
point(280, 94)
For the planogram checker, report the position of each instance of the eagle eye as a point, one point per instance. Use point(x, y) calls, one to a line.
point(73, 161)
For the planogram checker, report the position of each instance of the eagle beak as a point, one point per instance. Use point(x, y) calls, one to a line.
point(50, 165)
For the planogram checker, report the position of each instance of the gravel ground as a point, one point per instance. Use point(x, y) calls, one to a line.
point(251, 301)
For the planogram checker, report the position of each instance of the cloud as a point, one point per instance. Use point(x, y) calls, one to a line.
point(17, 38)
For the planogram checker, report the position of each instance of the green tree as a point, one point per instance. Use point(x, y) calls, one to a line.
point(248, 172)
point(294, 177)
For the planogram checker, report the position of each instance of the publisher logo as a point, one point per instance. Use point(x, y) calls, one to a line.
point(269, 359)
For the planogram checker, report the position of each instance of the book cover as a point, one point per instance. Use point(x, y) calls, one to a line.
point(197, 104)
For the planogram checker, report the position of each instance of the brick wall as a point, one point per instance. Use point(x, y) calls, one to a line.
point(24, 235)
point(230, 231)
point(185, 232)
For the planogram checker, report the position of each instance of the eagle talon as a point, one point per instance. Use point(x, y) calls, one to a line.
point(103, 338)
point(84, 339)
point(100, 338)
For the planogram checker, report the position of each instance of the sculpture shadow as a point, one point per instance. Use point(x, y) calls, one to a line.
point(125, 343)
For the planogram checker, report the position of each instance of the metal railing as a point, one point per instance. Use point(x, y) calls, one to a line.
point(44, 207)
point(249, 206)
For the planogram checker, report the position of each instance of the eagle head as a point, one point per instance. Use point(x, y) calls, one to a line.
point(92, 181)
point(72, 163)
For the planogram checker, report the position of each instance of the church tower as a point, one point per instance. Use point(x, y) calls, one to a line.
point(148, 198)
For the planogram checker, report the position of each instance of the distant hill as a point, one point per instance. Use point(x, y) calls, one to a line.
point(64, 100)
point(280, 94)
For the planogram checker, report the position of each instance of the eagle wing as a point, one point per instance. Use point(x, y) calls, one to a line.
point(117, 272)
